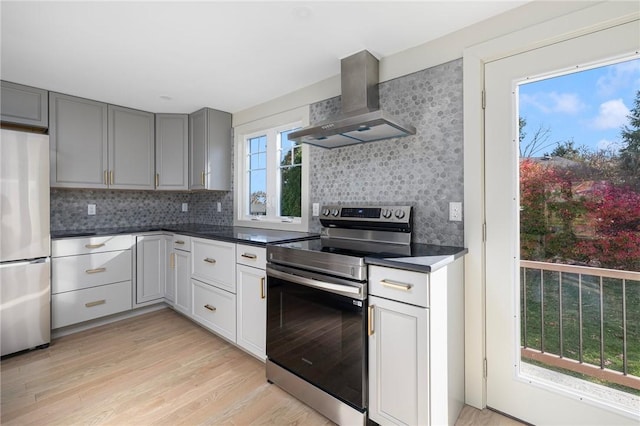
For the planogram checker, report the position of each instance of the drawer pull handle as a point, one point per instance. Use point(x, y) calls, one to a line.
point(95, 271)
point(397, 285)
point(179, 242)
point(92, 246)
point(209, 260)
point(249, 256)
point(96, 303)
point(209, 307)
point(262, 292)
point(370, 329)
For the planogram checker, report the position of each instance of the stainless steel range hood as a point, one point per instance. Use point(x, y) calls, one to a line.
point(361, 120)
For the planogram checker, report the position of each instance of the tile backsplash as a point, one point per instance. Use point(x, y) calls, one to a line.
point(424, 170)
point(136, 208)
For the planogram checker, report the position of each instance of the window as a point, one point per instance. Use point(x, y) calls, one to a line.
point(271, 176)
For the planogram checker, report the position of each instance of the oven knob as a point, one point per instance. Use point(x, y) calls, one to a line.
point(325, 212)
point(335, 212)
point(400, 213)
point(386, 213)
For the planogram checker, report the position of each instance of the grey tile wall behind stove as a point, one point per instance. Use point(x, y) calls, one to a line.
point(136, 208)
point(424, 170)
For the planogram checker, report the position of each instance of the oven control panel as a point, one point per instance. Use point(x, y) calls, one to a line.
point(385, 214)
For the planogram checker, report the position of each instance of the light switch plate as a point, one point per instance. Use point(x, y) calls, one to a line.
point(219, 207)
point(185, 207)
point(316, 209)
point(91, 209)
point(455, 211)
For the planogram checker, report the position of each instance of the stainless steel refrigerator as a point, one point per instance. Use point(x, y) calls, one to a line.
point(25, 278)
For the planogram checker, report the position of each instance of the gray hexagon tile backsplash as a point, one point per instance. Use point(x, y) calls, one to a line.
point(424, 170)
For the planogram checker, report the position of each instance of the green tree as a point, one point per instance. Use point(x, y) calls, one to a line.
point(291, 183)
point(630, 154)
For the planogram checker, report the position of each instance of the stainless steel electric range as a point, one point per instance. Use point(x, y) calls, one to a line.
point(317, 307)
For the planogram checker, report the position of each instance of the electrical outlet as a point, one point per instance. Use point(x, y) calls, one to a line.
point(91, 209)
point(185, 207)
point(219, 207)
point(455, 212)
point(316, 209)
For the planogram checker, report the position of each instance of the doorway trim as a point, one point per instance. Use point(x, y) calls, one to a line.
point(597, 17)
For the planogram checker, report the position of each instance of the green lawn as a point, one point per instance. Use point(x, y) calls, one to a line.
point(553, 297)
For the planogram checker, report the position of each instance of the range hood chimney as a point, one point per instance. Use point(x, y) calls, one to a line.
point(361, 120)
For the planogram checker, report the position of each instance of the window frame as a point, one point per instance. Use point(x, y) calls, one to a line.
point(271, 127)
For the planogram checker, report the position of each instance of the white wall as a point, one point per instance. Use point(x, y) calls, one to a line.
point(561, 18)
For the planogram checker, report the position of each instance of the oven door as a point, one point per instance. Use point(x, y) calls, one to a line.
point(316, 329)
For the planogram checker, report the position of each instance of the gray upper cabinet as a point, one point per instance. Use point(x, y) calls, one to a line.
point(131, 148)
point(172, 151)
point(210, 150)
point(24, 105)
point(78, 141)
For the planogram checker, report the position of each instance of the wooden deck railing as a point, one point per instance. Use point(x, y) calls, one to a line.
point(582, 319)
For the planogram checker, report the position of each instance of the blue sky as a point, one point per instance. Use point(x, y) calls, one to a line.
point(588, 106)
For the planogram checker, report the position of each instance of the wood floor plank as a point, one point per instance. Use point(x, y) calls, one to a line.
point(155, 369)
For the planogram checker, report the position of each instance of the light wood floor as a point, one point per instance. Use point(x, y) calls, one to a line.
point(158, 368)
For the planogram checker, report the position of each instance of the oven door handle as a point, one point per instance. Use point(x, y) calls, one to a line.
point(310, 282)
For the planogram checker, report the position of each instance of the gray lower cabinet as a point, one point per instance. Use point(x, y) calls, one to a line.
point(24, 105)
point(172, 151)
point(210, 150)
point(78, 142)
point(131, 148)
point(150, 268)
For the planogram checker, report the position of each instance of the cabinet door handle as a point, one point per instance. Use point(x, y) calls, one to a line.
point(157, 180)
point(209, 260)
point(172, 261)
point(370, 329)
point(179, 242)
point(249, 256)
point(94, 246)
point(111, 177)
point(397, 285)
point(209, 307)
point(262, 290)
point(96, 303)
point(95, 271)
point(106, 177)
point(202, 177)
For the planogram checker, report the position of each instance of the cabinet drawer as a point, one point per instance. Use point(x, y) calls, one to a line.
point(215, 309)
point(214, 262)
point(251, 256)
point(396, 284)
point(82, 305)
point(85, 245)
point(181, 242)
point(89, 270)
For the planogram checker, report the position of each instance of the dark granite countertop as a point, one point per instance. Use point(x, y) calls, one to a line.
point(421, 258)
point(234, 234)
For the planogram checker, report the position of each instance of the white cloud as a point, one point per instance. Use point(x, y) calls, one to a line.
point(606, 145)
point(611, 115)
point(554, 102)
point(619, 76)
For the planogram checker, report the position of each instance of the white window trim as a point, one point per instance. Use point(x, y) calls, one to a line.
point(280, 121)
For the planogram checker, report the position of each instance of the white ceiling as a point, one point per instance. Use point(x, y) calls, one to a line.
point(181, 56)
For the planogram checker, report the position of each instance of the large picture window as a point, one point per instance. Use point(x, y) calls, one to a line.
point(271, 177)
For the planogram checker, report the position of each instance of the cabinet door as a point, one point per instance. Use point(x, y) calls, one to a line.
point(150, 268)
point(218, 168)
point(182, 277)
point(78, 142)
point(172, 151)
point(197, 149)
point(131, 149)
point(398, 363)
point(24, 105)
point(252, 310)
